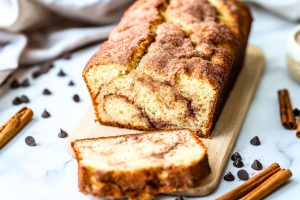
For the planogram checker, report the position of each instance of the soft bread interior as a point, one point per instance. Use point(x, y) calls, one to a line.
point(98, 76)
point(142, 106)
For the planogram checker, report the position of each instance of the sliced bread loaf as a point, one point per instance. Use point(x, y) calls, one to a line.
point(169, 64)
point(138, 166)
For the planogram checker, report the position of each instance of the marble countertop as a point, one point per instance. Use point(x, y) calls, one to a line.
point(47, 171)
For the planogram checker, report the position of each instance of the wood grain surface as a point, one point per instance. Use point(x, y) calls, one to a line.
point(224, 134)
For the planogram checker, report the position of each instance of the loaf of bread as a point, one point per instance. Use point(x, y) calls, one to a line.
point(169, 64)
point(138, 166)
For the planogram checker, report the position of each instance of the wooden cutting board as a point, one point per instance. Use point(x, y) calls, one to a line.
point(224, 134)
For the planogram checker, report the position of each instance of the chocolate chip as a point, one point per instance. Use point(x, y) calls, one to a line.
point(43, 69)
point(62, 134)
point(256, 165)
point(66, 55)
point(238, 163)
point(179, 197)
point(24, 99)
point(36, 74)
point(71, 83)
point(229, 177)
point(243, 175)
point(16, 101)
point(76, 98)
point(61, 73)
point(255, 141)
point(3, 44)
point(25, 83)
point(14, 84)
point(235, 156)
point(47, 92)
point(30, 141)
point(46, 114)
point(296, 112)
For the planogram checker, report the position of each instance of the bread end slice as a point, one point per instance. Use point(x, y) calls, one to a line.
point(139, 166)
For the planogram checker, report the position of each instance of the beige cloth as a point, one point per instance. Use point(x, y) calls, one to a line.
point(33, 31)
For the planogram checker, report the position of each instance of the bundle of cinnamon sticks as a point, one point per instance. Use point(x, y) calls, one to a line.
point(287, 116)
point(259, 185)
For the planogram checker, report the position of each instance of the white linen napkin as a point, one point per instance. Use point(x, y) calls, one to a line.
point(33, 31)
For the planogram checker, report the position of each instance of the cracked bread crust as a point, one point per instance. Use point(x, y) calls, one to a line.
point(142, 183)
point(134, 28)
point(175, 44)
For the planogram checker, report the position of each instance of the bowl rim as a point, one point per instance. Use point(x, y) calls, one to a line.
point(293, 47)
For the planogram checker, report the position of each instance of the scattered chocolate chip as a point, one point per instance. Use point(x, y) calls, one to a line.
point(25, 83)
point(61, 73)
point(238, 163)
point(255, 141)
point(43, 69)
point(62, 134)
point(243, 175)
point(16, 101)
point(256, 165)
point(66, 55)
point(30, 141)
point(36, 74)
point(3, 44)
point(71, 83)
point(229, 177)
point(235, 156)
point(296, 112)
point(179, 198)
point(76, 98)
point(14, 84)
point(46, 114)
point(24, 99)
point(47, 92)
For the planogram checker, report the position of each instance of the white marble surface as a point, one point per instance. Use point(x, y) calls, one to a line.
point(47, 171)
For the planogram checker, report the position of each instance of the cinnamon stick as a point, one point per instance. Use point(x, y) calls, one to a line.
point(298, 128)
point(252, 183)
point(286, 111)
point(14, 125)
point(269, 185)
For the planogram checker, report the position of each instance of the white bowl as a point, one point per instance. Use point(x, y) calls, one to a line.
point(293, 54)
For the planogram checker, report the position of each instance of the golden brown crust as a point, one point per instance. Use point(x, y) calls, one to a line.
point(125, 40)
point(120, 185)
point(219, 28)
point(173, 53)
point(143, 183)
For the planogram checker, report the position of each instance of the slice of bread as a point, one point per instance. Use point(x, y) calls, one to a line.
point(138, 166)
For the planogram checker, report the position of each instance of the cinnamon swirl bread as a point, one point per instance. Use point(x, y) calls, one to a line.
point(169, 64)
point(139, 166)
